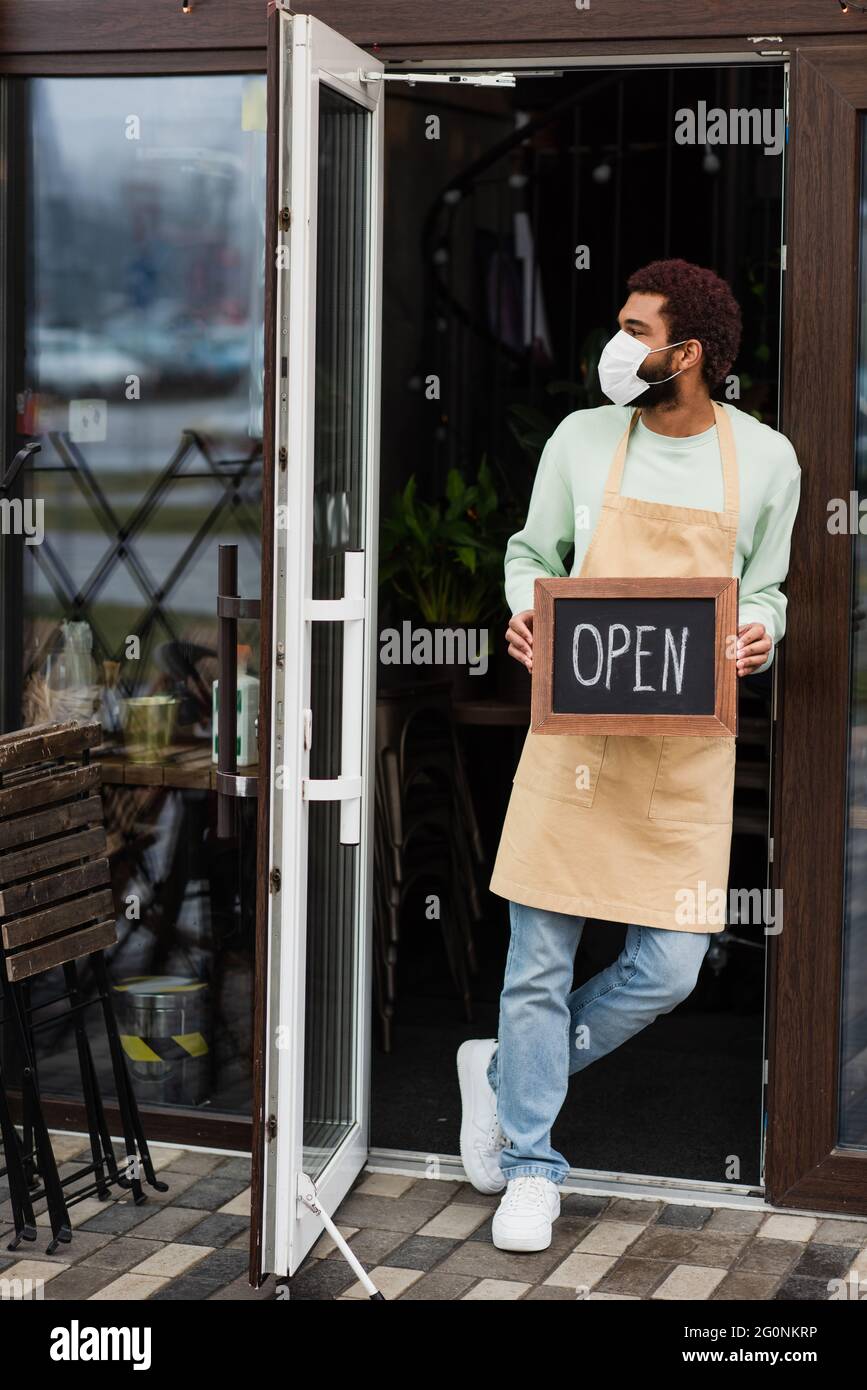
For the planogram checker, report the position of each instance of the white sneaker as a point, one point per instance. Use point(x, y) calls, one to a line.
point(524, 1217)
point(481, 1136)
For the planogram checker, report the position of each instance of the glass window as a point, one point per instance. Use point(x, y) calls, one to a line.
point(334, 925)
point(853, 1041)
point(142, 236)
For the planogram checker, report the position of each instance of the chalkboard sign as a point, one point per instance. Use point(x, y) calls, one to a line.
point(635, 656)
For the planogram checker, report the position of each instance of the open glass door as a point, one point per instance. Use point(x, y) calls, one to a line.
point(325, 224)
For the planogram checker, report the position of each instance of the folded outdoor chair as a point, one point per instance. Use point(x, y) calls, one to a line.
point(56, 909)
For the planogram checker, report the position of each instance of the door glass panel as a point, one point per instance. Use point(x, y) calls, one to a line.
point(853, 1040)
point(141, 239)
point(334, 928)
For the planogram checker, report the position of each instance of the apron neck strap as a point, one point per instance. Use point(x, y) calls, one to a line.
point(727, 453)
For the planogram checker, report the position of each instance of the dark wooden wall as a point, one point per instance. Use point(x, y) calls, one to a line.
point(70, 26)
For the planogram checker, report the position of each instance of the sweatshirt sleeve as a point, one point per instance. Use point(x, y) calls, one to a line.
point(537, 551)
point(760, 598)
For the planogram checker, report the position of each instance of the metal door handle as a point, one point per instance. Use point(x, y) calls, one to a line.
point(348, 788)
point(17, 464)
point(230, 607)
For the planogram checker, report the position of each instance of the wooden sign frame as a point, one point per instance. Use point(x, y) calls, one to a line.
point(723, 721)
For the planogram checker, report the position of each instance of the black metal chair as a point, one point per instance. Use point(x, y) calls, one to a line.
point(426, 836)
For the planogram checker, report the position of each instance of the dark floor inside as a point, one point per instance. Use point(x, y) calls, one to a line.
point(681, 1099)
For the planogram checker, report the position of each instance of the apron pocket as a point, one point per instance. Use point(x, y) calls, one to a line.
point(563, 767)
point(695, 781)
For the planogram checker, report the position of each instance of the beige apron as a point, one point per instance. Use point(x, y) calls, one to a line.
point(631, 829)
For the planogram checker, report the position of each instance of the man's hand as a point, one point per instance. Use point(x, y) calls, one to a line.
point(519, 635)
point(754, 643)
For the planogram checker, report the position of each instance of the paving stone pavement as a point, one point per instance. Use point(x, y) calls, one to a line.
point(430, 1239)
point(189, 1243)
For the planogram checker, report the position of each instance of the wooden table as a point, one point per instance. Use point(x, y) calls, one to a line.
point(501, 713)
point(181, 765)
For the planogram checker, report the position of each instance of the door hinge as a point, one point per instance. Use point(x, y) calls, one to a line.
point(284, 219)
point(271, 1127)
point(783, 250)
point(770, 849)
point(275, 880)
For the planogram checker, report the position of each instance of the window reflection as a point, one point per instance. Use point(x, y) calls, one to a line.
point(142, 382)
point(853, 1051)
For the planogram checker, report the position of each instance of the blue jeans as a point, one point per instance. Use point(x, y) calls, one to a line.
point(547, 1030)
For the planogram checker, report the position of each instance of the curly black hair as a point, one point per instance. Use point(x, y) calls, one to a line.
point(698, 304)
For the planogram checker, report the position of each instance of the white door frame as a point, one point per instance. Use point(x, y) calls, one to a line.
point(312, 55)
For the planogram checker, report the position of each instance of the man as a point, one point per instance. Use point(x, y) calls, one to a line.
point(665, 482)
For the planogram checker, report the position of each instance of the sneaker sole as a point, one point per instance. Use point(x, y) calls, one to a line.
point(528, 1241)
point(525, 1243)
point(467, 1087)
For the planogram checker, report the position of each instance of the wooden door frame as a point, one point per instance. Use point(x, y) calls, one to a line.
point(78, 27)
point(804, 1165)
point(261, 1130)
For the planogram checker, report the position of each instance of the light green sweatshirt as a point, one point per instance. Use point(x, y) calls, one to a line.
point(687, 472)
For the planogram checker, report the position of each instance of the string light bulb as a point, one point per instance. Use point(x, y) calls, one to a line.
point(847, 5)
point(710, 163)
point(187, 7)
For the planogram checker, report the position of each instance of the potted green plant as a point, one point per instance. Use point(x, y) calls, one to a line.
point(441, 570)
point(531, 427)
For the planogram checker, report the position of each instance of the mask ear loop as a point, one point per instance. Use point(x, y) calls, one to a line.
point(664, 349)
